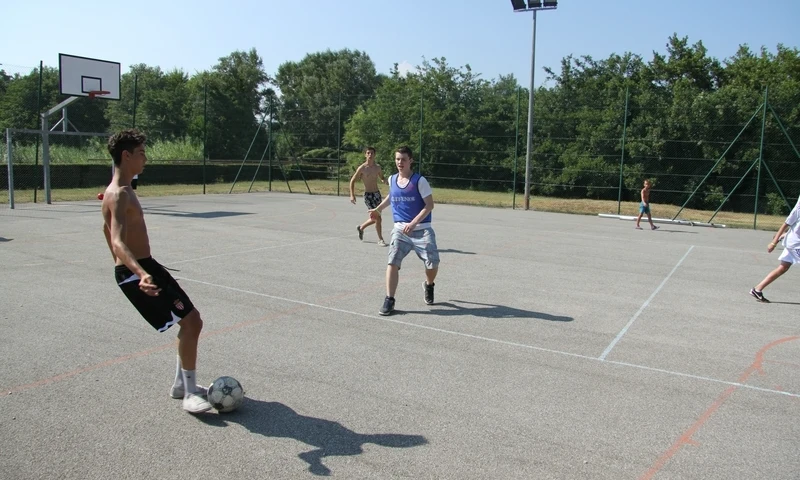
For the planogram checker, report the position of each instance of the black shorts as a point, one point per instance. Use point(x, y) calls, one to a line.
point(166, 309)
point(372, 199)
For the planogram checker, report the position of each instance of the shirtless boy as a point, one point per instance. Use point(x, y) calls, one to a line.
point(147, 284)
point(369, 172)
point(644, 207)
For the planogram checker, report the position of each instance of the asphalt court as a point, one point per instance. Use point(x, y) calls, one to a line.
point(559, 346)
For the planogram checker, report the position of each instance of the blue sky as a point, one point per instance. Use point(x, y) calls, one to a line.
point(486, 34)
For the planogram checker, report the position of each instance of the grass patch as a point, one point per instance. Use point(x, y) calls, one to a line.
point(442, 195)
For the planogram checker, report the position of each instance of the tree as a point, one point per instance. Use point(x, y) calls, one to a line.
point(319, 93)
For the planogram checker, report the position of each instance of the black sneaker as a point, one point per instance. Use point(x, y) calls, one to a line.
point(758, 295)
point(428, 292)
point(388, 306)
point(360, 233)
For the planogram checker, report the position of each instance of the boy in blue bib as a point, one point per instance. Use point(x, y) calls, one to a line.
point(411, 199)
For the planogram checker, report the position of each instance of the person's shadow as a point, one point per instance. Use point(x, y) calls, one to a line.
point(486, 310)
point(274, 419)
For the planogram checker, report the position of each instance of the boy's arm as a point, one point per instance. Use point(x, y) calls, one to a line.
point(117, 235)
point(380, 175)
point(107, 234)
point(645, 198)
point(385, 203)
point(410, 226)
point(777, 237)
point(353, 179)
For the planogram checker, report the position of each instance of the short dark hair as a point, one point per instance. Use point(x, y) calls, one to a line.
point(368, 149)
point(126, 140)
point(404, 150)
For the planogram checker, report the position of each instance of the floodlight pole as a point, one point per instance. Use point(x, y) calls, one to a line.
point(529, 150)
point(519, 7)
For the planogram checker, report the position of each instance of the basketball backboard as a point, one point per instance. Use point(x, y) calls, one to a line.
point(80, 76)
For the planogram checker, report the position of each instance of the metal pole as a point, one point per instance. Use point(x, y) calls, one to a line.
point(516, 153)
point(46, 157)
point(339, 146)
point(622, 156)
point(269, 147)
point(530, 120)
point(10, 170)
point(38, 112)
point(135, 82)
point(64, 120)
point(760, 157)
point(205, 131)
point(421, 123)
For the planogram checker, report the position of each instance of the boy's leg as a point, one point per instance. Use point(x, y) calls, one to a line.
point(392, 279)
point(378, 227)
point(188, 335)
point(650, 219)
point(639, 219)
point(772, 276)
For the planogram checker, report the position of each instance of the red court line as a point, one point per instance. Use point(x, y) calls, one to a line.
point(125, 358)
point(686, 437)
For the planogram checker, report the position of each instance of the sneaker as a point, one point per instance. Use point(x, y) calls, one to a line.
point(388, 306)
point(360, 233)
point(758, 295)
point(179, 392)
point(654, 227)
point(637, 227)
point(428, 292)
point(381, 243)
point(195, 403)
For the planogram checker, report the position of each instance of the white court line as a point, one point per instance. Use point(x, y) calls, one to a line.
point(286, 245)
point(641, 309)
point(501, 342)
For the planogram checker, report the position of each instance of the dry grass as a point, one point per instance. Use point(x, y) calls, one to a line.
point(442, 195)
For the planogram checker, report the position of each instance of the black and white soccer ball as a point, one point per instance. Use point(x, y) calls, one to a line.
point(226, 394)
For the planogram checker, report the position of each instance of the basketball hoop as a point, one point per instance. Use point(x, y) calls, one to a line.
point(97, 93)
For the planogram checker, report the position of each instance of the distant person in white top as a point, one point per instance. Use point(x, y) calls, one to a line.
point(789, 233)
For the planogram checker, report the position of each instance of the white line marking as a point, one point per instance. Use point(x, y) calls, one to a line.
point(501, 342)
point(257, 249)
point(641, 309)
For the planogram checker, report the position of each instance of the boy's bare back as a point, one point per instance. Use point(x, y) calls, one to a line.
point(121, 209)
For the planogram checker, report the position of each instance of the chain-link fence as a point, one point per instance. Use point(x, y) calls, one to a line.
point(728, 162)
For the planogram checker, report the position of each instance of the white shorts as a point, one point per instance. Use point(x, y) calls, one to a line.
point(790, 255)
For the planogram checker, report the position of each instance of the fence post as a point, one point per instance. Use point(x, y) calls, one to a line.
point(269, 146)
point(622, 156)
point(38, 112)
point(46, 157)
point(760, 157)
point(339, 146)
point(205, 133)
point(10, 170)
point(516, 153)
point(135, 97)
point(421, 123)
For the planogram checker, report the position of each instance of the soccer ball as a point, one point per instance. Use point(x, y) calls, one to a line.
point(226, 394)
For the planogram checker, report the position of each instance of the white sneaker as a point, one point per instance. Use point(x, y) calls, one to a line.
point(195, 403)
point(179, 392)
point(381, 243)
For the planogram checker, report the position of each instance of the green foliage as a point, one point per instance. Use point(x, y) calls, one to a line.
point(686, 113)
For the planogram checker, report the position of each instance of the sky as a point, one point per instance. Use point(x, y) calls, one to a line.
point(486, 34)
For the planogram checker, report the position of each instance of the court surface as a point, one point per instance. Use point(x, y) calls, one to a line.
point(559, 346)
